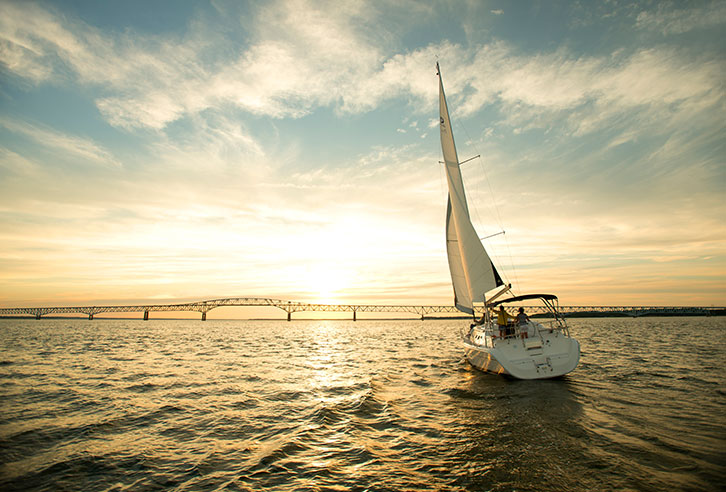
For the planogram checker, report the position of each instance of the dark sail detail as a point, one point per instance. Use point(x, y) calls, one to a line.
point(496, 275)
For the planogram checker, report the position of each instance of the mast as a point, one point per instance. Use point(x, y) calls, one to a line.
point(472, 271)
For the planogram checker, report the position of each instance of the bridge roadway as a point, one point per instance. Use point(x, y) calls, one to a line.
point(290, 307)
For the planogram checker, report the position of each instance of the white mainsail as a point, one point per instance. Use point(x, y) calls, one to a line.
point(472, 272)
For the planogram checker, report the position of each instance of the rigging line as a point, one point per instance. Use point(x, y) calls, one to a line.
point(481, 165)
point(515, 291)
point(463, 162)
point(496, 210)
point(442, 179)
point(511, 262)
point(492, 235)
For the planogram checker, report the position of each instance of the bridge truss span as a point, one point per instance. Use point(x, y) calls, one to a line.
point(290, 307)
point(205, 306)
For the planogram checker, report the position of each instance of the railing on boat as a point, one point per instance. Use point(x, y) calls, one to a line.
point(491, 332)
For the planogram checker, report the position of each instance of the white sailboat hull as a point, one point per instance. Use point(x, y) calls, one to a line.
point(547, 354)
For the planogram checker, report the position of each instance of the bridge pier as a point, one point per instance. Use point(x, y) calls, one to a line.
point(37, 316)
point(354, 315)
point(289, 315)
point(204, 316)
point(90, 316)
point(146, 316)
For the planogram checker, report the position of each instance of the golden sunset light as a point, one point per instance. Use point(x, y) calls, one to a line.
point(291, 167)
point(362, 245)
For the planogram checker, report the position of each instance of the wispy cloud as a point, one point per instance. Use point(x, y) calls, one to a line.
point(597, 90)
point(82, 150)
point(668, 20)
point(16, 164)
point(304, 56)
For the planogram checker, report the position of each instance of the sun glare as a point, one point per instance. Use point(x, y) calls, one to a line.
point(331, 256)
point(326, 284)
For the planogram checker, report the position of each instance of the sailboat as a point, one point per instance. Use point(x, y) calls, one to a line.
point(525, 349)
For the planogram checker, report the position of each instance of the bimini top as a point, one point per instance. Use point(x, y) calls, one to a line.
point(545, 297)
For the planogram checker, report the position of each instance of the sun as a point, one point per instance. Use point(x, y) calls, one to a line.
point(326, 284)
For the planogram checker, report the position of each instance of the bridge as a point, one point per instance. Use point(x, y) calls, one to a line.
point(290, 307)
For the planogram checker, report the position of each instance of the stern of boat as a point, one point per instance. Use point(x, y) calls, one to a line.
point(549, 354)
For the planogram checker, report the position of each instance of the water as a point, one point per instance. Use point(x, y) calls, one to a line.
point(370, 405)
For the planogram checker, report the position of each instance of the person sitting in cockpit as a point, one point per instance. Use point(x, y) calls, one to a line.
point(522, 321)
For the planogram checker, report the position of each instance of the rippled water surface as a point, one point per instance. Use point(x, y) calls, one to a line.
point(366, 405)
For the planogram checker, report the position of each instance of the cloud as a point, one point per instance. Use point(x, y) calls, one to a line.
point(369, 219)
point(25, 40)
point(303, 56)
point(597, 89)
point(667, 20)
point(16, 164)
point(62, 145)
point(300, 57)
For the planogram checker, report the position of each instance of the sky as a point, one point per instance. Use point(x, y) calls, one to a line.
point(171, 151)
